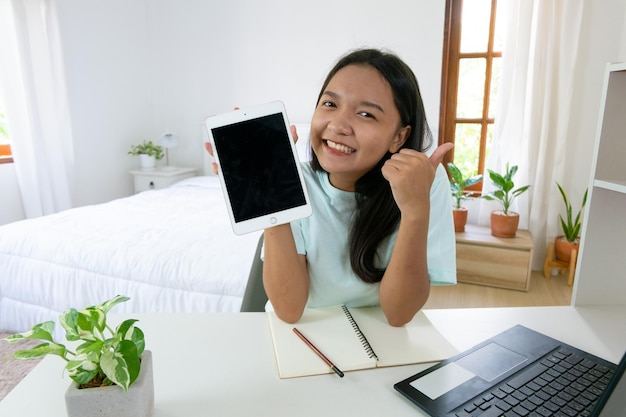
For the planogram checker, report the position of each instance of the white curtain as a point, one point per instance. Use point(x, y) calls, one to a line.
point(32, 82)
point(533, 108)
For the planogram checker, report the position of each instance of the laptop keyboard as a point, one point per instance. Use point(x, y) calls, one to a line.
point(561, 384)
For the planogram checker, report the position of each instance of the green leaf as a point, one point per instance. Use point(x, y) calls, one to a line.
point(129, 352)
point(115, 369)
point(520, 190)
point(455, 173)
point(108, 305)
point(90, 346)
point(69, 321)
point(92, 317)
point(510, 172)
point(84, 367)
point(570, 226)
point(41, 331)
point(82, 372)
point(128, 331)
point(122, 365)
point(473, 180)
point(41, 350)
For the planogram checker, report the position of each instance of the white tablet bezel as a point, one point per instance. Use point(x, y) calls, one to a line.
point(273, 218)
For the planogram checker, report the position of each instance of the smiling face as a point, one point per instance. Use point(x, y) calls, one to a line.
point(355, 124)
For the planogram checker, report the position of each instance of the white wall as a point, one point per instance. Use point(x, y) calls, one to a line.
point(604, 28)
point(136, 68)
point(11, 208)
point(110, 83)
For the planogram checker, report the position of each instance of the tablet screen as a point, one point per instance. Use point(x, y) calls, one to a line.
point(258, 167)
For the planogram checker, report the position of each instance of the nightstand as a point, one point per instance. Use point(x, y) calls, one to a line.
point(153, 179)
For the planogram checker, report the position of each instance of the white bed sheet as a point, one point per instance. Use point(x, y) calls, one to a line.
point(169, 250)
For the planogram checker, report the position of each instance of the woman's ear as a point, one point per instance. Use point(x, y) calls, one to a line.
point(401, 137)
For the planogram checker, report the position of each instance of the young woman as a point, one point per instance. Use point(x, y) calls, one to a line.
point(381, 229)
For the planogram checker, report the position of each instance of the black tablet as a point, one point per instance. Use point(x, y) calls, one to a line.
point(259, 168)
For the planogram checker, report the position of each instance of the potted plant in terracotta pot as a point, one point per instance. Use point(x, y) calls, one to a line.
point(571, 228)
point(504, 223)
point(458, 183)
point(111, 371)
point(148, 153)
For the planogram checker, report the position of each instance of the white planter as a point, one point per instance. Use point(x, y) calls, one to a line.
point(147, 161)
point(112, 401)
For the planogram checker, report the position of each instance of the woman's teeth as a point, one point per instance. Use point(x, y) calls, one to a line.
point(339, 147)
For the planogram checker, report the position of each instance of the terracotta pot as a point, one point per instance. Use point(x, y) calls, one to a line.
point(504, 225)
point(460, 219)
point(563, 249)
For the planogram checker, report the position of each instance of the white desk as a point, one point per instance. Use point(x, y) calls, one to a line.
point(223, 364)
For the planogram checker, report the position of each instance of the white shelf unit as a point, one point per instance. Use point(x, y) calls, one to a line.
point(600, 277)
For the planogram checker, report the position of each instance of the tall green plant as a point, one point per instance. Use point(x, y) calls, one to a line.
point(105, 356)
point(571, 226)
point(458, 184)
point(505, 192)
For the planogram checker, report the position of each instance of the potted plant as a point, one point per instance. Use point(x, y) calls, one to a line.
point(111, 371)
point(148, 153)
point(504, 223)
point(458, 183)
point(571, 228)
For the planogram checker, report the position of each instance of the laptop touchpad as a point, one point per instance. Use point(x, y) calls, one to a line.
point(491, 361)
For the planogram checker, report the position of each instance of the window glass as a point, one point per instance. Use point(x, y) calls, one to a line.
point(5, 147)
point(475, 25)
point(4, 134)
point(474, 37)
point(467, 147)
point(471, 88)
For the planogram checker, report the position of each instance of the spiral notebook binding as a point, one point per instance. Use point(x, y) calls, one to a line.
point(366, 345)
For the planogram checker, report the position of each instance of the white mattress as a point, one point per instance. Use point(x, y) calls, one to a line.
point(169, 250)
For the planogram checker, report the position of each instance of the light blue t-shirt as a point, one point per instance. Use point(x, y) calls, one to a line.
point(323, 238)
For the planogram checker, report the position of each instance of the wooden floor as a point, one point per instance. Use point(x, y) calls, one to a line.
point(542, 292)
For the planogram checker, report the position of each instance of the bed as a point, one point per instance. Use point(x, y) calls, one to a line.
point(169, 250)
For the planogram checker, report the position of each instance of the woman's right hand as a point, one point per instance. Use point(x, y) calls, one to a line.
point(209, 149)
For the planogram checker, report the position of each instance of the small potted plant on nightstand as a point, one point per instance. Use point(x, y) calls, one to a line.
point(458, 184)
point(111, 371)
point(504, 223)
point(148, 153)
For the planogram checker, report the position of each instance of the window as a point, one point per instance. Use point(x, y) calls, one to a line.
point(5, 147)
point(471, 69)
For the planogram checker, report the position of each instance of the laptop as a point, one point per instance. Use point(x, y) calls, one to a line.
point(520, 372)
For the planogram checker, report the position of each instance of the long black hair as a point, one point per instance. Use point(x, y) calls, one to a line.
point(377, 214)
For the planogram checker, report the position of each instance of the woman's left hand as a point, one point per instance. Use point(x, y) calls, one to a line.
point(411, 173)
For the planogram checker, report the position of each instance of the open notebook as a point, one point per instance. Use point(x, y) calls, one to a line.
point(353, 339)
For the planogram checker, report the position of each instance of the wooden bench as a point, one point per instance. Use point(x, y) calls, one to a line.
point(484, 259)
